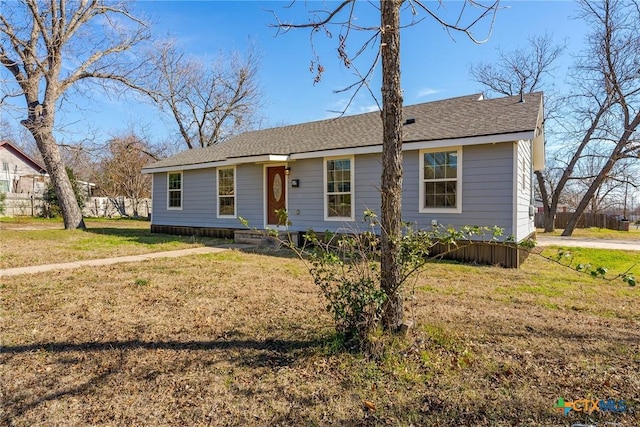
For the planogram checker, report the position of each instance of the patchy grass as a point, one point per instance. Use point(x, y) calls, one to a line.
point(598, 233)
point(243, 339)
point(617, 261)
point(36, 241)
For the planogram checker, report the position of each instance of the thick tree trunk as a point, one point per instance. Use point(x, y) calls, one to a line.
point(549, 221)
point(617, 153)
point(588, 196)
point(549, 214)
point(391, 215)
point(71, 213)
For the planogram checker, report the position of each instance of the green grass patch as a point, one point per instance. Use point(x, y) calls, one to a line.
point(598, 233)
point(615, 261)
point(141, 282)
point(37, 241)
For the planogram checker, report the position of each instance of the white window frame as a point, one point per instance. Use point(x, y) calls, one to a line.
point(235, 193)
point(326, 194)
point(175, 208)
point(458, 208)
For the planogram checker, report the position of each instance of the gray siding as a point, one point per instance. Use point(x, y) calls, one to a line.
point(199, 199)
point(249, 201)
point(487, 195)
point(524, 199)
point(487, 186)
point(159, 213)
point(306, 203)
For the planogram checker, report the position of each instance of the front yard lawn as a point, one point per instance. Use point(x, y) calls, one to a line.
point(37, 241)
point(243, 339)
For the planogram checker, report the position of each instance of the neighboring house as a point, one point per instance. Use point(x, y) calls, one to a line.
point(20, 174)
point(467, 161)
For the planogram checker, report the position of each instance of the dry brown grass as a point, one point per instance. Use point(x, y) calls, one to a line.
point(243, 339)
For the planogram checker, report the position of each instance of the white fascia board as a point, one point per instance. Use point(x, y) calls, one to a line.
point(419, 145)
point(370, 149)
point(474, 140)
point(187, 167)
point(538, 152)
point(338, 152)
point(222, 163)
point(269, 158)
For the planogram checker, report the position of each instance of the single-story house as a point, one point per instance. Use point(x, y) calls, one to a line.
point(467, 161)
point(20, 174)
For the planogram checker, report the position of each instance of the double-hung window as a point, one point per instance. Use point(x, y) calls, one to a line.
point(227, 192)
point(441, 181)
point(174, 190)
point(4, 178)
point(338, 197)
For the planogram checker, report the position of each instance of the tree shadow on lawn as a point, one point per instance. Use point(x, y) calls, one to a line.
point(435, 407)
point(249, 353)
point(146, 237)
point(277, 352)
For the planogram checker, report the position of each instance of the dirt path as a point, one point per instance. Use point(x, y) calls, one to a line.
point(107, 261)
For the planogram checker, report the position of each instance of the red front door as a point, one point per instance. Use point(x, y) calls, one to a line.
point(276, 193)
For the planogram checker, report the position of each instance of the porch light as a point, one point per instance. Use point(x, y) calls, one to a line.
point(287, 170)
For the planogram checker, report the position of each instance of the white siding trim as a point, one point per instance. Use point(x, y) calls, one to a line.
point(352, 175)
point(235, 192)
point(153, 180)
point(458, 208)
point(232, 161)
point(514, 191)
point(176, 208)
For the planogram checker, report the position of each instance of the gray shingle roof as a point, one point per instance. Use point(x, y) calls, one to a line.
point(465, 116)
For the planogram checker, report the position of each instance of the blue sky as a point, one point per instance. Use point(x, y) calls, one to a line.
point(434, 65)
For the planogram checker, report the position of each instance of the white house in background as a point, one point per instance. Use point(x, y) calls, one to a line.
point(467, 161)
point(19, 173)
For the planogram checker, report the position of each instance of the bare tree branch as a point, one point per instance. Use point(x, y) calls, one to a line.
point(43, 41)
point(207, 102)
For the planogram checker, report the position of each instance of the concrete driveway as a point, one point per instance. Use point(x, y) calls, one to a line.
point(625, 245)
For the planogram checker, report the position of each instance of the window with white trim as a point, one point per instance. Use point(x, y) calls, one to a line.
point(440, 181)
point(174, 190)
point(227, 192)
point(338, 197)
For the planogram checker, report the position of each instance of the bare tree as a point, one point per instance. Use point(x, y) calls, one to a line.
point(599, 119)
point(526, 70)
point(608, 195)
point(523, 70)
point(387, 34)
point(50, 47)
point(208, 101)
point(608, 78)
point(120, 173)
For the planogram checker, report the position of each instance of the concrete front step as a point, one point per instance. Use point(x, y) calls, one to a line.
point(263, 237)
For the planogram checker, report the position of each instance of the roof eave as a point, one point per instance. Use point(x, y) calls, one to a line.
point(33, 163)
point(369, 149)
point(232, 161)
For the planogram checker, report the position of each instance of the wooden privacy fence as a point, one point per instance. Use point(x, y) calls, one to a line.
point(586, 220)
